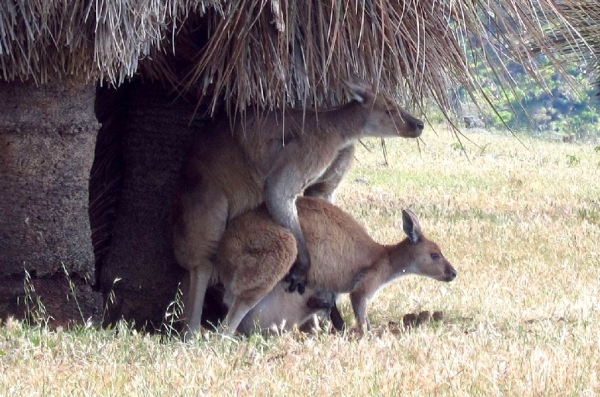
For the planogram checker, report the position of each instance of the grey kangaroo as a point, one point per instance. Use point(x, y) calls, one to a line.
point(270, 157)
point(280, 311)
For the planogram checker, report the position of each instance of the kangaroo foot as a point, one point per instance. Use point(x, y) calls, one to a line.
point(336, 319)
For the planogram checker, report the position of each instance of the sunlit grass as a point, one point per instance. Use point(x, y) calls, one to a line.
point(520, 223)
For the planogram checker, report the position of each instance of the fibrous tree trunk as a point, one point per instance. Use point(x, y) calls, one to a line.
point(47, 138)
point(138, 272)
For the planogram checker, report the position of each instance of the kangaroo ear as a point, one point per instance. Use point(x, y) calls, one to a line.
point(411, 226)
point(360, 89)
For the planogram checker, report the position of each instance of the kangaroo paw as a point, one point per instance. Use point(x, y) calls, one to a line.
point(295, 284)
point(297, 275)
point(297, 281)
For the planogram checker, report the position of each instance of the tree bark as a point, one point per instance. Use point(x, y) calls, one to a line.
point(47, 138)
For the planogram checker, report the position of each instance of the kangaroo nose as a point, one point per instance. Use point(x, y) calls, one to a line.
point(419, 125)
point(451, 274)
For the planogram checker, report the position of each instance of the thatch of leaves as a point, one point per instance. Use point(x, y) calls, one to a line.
point(583, 39)
point(276, 52)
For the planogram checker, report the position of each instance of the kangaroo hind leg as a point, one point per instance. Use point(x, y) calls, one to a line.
point(197, 231)
point(236, 314)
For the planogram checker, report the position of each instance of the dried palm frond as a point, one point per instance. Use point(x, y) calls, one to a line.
point(273, 53)
point(583, 39)
point(301, 53)
point(48, 40)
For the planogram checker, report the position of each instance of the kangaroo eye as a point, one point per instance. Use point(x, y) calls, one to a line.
point(435, 256)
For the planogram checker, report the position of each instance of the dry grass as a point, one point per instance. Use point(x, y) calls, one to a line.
point(520, 224)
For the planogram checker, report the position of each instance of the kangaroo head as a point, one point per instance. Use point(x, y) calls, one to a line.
point(419, 255)
point(385, 118)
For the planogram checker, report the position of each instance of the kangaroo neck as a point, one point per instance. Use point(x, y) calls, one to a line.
point(400, 258)
point(345, 121)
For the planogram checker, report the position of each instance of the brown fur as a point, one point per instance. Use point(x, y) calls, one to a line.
point(255, 253)
point(273, 157)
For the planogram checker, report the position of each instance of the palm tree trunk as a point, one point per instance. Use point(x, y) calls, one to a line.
point(47, 138)
point(153, 131)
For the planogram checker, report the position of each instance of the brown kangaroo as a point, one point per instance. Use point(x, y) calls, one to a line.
point(255, 253)
point(270, 157)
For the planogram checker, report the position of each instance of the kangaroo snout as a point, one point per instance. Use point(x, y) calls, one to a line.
point(416, 126)
point(449, 273)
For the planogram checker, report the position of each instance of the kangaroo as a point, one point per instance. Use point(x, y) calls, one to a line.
point(270, 157)
point(255, 253)
point(281, 311)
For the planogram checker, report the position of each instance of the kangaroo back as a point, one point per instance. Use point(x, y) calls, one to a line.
point(336, 242)
point(255, 245)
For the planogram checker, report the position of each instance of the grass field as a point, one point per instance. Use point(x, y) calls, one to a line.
point(520, 221)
